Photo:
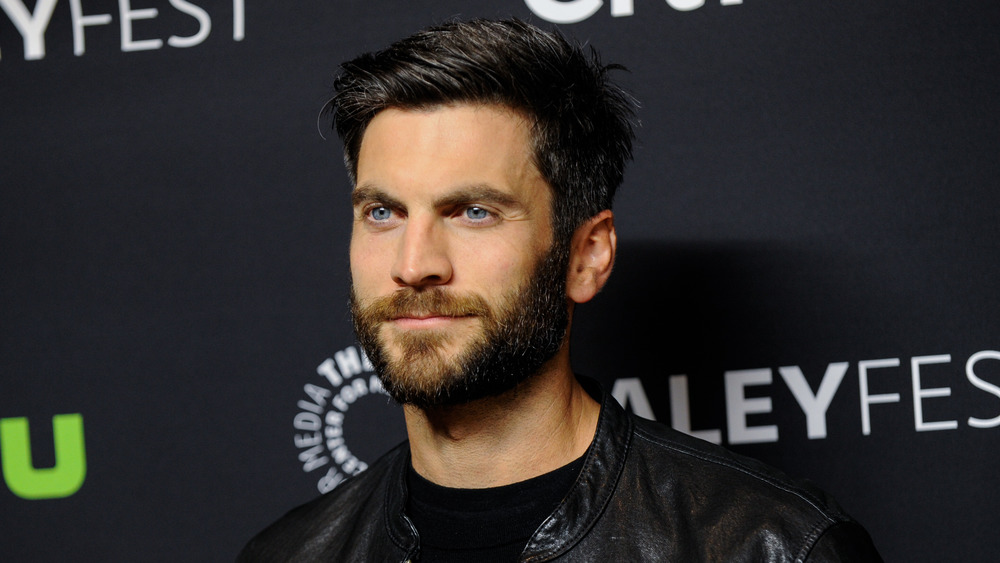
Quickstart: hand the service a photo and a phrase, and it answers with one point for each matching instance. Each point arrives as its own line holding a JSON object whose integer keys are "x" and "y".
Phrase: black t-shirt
{"x": 483, "y": 525}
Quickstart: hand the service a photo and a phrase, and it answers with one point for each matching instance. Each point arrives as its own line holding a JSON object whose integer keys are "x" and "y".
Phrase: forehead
{"x": 449, "y": 145}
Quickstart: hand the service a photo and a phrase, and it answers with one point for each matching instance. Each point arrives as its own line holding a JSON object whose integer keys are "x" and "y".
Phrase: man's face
{"x": 456, "y": 292}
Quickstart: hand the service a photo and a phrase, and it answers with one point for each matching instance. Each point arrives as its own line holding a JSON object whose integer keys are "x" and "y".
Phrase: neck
{"x": 544, "y": 423}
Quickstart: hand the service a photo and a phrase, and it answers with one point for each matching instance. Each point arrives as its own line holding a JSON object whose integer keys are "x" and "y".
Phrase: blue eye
{"x": 380, "y": 213}
{"x": 477, "y": 213}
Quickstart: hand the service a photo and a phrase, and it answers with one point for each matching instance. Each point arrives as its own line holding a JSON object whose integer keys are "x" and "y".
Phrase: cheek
{"x": 364, "y": 265}
{"x": 499, "y": 272}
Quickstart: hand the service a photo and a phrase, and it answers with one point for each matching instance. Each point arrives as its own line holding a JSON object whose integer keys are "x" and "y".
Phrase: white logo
{"x": 33, "y": 24}
{"x": 351, "y": 396}
{"x": 558, "y": 11}
{"x": 739, "y": 407}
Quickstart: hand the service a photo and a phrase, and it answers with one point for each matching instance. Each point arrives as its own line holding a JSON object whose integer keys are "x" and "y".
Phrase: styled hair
{"x": 581, "y": 122}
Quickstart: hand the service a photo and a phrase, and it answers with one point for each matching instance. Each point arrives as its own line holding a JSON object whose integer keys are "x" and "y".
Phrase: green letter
{"x": 62, "y": 480}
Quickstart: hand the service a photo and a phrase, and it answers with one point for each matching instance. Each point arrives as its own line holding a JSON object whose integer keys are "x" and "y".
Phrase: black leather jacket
{"x": 645, "y": 493}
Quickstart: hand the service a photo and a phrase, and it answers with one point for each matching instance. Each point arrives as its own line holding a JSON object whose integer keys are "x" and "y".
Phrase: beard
{"x": 518, "y": 334}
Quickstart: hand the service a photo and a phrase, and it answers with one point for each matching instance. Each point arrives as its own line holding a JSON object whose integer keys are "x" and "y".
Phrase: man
{"x": 484, "y": 157}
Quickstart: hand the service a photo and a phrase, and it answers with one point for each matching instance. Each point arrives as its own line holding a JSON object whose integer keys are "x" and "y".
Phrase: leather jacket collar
{"x": 579, "y": 510}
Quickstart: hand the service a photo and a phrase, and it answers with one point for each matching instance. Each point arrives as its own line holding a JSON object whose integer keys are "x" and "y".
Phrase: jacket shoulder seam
{"x": 812, "y": 538}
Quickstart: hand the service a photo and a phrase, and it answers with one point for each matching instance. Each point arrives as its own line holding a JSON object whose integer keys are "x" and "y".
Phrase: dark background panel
{"x": 813, "y": 183}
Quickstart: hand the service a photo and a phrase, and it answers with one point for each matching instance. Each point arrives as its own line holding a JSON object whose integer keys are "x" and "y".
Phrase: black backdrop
{"x": 814, "y": 188}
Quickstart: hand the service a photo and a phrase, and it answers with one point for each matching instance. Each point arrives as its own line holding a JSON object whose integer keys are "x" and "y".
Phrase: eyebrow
{"x": 478, "y": 193}
{"x": 368, "y": 192}
{"x": 484, "y": 193}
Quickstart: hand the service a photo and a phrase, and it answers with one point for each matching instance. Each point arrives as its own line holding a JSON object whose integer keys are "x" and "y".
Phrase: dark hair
{"x": 581, "y": 122}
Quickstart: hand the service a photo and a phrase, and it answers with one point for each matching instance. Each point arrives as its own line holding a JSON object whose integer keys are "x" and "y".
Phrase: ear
{"x": 592, "y": 255}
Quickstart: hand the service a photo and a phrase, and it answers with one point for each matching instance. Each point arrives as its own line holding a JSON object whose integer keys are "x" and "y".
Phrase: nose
{"x": 422, "y": 257}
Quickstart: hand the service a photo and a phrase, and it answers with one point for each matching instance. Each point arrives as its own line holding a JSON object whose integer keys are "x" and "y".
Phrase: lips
{"x": 426, "y": 321}
{"x": 433, "y": 315}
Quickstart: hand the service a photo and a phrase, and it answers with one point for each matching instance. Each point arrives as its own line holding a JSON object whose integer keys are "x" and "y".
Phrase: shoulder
{"x": 714, "y": 466}
{"x": 711, "y": 484}
{"x": 331, "y": 521}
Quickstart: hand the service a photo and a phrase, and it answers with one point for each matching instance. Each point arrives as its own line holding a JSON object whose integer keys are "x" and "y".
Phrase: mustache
{"x": 408, "y": 302}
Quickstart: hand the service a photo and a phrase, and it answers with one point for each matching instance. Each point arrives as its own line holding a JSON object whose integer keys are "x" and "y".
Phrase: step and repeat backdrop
{"x": 809, "y": 265}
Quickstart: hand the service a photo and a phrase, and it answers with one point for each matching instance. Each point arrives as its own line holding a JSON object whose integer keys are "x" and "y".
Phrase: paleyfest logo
{"x": 86, "y": 18}
{"x": 561, "y": 11}
{"x": 346, "y": 420}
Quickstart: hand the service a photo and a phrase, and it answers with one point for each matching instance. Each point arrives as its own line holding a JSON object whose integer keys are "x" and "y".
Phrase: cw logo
{"x": 20, "y": 474}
